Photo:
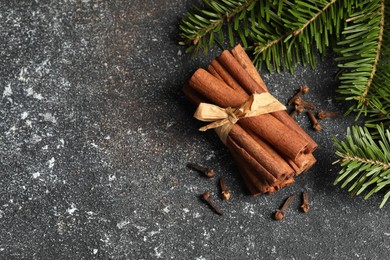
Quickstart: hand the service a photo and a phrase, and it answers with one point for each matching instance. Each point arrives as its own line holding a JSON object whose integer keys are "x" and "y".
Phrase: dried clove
{"x": 225, "y": 192}
{"x": 207, "y": 198}
{"x": 301, "y": 102}
{"x": 322, "y": 115}
{"x": 316, "y": 126}
{"x": 302, "y": 91}
{"x": 298, "y": 110}
{"x": 305, "y": 202}
{"x": 279, "y": 213}
{"x": 208, "y": 172}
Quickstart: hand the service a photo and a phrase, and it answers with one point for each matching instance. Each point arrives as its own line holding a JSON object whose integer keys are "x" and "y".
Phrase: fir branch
{"x": 200, "y": 25}
{"x": 303, "y": 23}
{"x": 365, "y": 162}
{"x": 379, "y": 94}
{"x": 313, "y": 18}
{"x": 360, "y": 56}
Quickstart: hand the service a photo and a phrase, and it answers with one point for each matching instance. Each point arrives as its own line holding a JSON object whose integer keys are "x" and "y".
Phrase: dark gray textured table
{"x": 95, "y": 136}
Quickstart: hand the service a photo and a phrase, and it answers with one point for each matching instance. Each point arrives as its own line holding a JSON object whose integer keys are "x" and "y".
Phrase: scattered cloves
{"x": 302, "y": 91}
{"x": 225, "y": 192}
{"x": 322, "y": 115}
{"x": 305, "y": 202}
{"x": 208, "y": 172}
{"x": 279, "y": 213}
{"x": 316, "y": 126}
{"x": 301, "y": 102}
{"x": 207, "y": 198}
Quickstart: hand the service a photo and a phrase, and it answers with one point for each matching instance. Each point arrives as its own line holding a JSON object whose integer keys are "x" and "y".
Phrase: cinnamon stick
{"x": 278, "y": 160}
{"x": 247, "y": 65}
{"x": 251, "y": 86}
{"x": 225, "y": 76}
{"x": 238, "y": 72}
{"x": 269, "y": 149}
{"x": 305, "y": 162}
{"x": 260, "y": 154}
{"x": 271, "y": 129}
{"x": 213, "y": 72}
{"x": 252, "y": 175}
{"x": 282, "y": 116}
{"x": 251, "y": 171}
{"x": 215, "y": 90}
{"x": 193, "y": 96}
{"x": 240, "y": 55}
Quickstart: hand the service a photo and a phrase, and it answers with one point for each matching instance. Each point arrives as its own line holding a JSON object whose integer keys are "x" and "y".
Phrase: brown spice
{"x": 302, "y": 91}
{"x": 208, "y": 172}
{"x": 316, "y": 126}
{"x": 225, "y": 192}
{"x": 279, "y": 214}
{"x": 207, "y": 198}
{"x": 301, "y": 102}
{"x": 305, "y": 202}
{"x": 322, "y": 115}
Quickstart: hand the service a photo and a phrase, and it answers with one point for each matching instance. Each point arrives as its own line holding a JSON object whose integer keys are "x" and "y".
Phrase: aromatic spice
{"x": 302, "y": 91}
{"x": 305, "y": 202}
{"x": 301, "y": 102}
{"x": 208, "y": 172}
{"x": 207, "y": 198}
{"x": 225, "y": 192}
{"x": 316, "y": 126}
{"x": 279, "y": 213}
{"x": 323, "y": 115}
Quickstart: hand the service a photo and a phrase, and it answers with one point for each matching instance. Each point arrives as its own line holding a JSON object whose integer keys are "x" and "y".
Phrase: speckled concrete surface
{"x": 95, "y": 136}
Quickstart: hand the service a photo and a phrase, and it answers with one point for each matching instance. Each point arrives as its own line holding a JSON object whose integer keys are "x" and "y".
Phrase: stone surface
{"x": 96, "y": 134}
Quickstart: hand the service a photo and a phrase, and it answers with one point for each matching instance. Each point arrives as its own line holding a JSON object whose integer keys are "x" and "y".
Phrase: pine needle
{"x": 365, "y": 162}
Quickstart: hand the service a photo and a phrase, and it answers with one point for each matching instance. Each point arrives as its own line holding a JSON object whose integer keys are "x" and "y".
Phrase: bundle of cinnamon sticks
{"x": 269, "y": 149}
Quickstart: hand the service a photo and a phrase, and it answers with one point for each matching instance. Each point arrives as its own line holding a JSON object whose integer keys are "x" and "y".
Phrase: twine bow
{"x": 223, "y": 119}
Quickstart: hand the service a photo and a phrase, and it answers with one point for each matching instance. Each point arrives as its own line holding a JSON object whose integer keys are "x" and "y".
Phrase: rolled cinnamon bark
{"x": 254, "y": 84}
{"x": 225, "y": 76}
{"x": 282, "y": 116}
{"x": 242, "y": 58}
{"x": 237, "y": 71}
{"x": 279, "y": 161}
{"x": 214, "y": 72}
{"x": 193, "y": 96}
{"x": 257, "y": 178}
{"x": 260, "y": 154}
{"x": 268, "y": 149}
{"x": 253, "y": 175}
{"x": 240, "y": 55}
{"x": 285, "y": 140}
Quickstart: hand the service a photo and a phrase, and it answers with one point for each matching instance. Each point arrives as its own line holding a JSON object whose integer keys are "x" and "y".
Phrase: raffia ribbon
{"x": 223, "y": 119}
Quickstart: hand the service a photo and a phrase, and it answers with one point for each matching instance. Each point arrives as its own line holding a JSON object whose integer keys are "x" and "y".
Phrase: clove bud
{"x": 305, "y": 202}
{"x": 208, "y": 172}
{"x": 207, "y": 198}
{"x": 279, "y": 213}
{"x": 225, "y": 192}
{"x": 302, "y": 91}
{"x": 322, "y": 115}
{"x": 316, "y": 126}
{"x": 301, "y": 102}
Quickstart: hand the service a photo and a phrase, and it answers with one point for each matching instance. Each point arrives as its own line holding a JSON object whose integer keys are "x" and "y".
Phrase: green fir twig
{"x": 365, "y": 162}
